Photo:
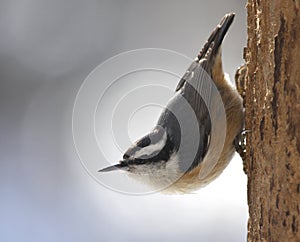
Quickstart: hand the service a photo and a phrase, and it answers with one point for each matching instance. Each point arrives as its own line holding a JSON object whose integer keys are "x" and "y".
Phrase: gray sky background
{"x": 47, "y": 49}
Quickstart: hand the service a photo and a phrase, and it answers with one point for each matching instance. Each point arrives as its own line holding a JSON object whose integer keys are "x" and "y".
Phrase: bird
{"x": 194, "y": 138}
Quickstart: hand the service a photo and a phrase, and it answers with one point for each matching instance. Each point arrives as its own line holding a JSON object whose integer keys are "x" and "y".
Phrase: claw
{"x": 240, "y": 143}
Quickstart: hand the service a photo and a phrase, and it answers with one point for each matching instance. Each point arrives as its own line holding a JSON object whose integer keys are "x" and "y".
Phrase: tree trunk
{"x": 272, "y": 104}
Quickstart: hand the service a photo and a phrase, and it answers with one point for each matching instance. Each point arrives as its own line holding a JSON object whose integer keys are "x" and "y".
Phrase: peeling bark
{"x": 272, "y": 104}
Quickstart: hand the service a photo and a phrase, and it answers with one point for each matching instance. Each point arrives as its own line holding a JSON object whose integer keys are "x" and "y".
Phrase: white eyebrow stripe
{"x": 150, "y": 149}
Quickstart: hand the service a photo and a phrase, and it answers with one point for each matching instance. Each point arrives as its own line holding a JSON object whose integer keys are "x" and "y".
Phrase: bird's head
{"x": 147, "y": 154}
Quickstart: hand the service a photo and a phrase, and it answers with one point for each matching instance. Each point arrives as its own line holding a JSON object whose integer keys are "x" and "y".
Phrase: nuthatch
{"x": 173, "y": 153}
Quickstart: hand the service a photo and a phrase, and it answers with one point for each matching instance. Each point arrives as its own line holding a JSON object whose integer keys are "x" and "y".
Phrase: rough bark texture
{"x": 273, "y": 117}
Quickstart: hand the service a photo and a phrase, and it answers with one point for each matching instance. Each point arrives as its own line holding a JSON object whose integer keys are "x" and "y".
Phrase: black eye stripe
{"x": 163, "y": 155}
{"x": 125, "y": 156}
{"x": 155, "y": 141}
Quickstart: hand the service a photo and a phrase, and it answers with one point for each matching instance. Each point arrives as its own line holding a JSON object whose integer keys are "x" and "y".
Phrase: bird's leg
{"x": 240, "y": 143}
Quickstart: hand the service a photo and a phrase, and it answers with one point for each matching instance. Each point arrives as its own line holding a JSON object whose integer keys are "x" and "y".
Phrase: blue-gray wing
{"x": 187, "y": 118}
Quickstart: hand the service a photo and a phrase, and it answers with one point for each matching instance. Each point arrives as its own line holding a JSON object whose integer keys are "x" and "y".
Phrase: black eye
{"x": 125, "y": 156}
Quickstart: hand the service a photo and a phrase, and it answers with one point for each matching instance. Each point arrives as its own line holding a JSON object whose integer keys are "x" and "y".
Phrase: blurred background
{"x": 47, "y": 49}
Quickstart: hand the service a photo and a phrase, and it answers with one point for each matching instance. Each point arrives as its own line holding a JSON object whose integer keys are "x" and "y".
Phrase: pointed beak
{"x": 215, "y": 40}
{"x": 122, "y": 166}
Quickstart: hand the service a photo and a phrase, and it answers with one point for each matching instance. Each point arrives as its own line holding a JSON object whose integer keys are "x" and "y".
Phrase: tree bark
{"x": 272, "y": 106}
